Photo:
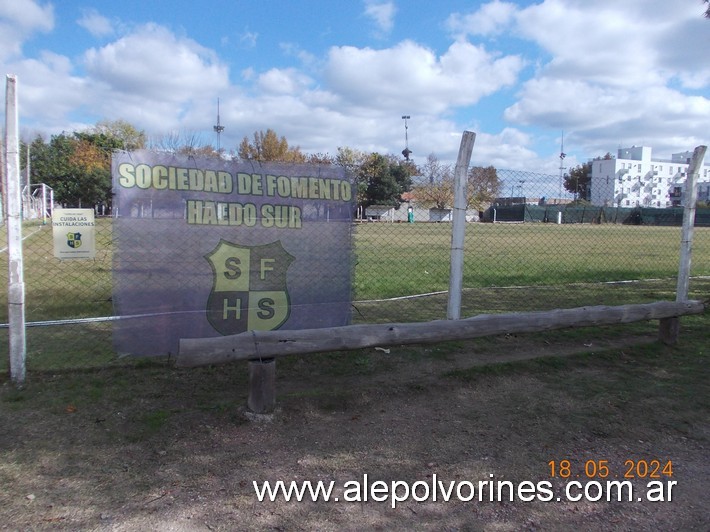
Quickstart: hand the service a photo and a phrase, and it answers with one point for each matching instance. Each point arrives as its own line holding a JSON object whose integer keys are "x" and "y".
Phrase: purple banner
{"x": 206, "y": 247}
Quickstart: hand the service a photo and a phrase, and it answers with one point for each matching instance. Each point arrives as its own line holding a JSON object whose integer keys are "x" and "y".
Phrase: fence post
{"x": 669, "y": 328}
{"x": 16, "y": 284}
{"x": 459, "y": 225}
{"x": 262, "y": 386}
{"x": 686, "y": 243}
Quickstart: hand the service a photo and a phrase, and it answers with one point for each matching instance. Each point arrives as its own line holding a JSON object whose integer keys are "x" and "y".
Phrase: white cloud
{"x": 283, "y": 81}
{"x": 490, "y": 19}
{"x": 306, "y": 58}
{"x": 247, "y": 39}
{"x": 382, "y": 13}
{"x": 154, "y": 64}
{"x": 610, "y": 69}
{"x": 28, "y": 14}
{"x": 95, "y": 23}
{"x": 49, "y": 92}
{"x": 19, "y": 19}
{"x": 409, "y": 76}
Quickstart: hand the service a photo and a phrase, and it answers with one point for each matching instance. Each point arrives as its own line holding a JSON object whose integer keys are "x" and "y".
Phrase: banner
{"x": 206, "y": 247}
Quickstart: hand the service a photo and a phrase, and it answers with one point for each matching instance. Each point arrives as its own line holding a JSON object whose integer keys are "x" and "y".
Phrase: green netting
{"x": 591, "y": 214}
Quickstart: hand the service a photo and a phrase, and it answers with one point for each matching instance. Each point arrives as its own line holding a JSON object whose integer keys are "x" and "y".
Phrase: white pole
{"x": 458, "y": 231}
{"x": 3, "y": 186}
{"x": 686, "y": 241}
{"x": 16, "y": 284}
{"x": 44, "y": 204}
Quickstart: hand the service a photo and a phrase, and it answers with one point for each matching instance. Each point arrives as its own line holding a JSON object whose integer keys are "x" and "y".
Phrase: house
{"x": 635, "y": 179}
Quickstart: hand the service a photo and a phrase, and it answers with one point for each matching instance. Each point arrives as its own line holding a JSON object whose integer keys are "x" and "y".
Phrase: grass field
{"x": 507, "y": 267}
{"x": 402, "y": 259}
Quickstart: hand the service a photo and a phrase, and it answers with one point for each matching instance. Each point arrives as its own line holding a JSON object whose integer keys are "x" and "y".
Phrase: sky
{"x": 524, "y": 75}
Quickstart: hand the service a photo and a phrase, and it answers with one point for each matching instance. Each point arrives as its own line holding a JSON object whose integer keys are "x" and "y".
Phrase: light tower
{"x": 406, "y": 151}
{"x": 218, "y": 129}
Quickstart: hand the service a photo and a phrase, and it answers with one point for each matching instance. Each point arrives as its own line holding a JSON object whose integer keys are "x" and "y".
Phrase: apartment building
{"x": 635, "y": 179}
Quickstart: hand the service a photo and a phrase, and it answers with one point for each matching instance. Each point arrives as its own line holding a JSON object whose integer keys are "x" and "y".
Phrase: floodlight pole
{"x": 218, "y": 128}
{"x": 406, "y": 151}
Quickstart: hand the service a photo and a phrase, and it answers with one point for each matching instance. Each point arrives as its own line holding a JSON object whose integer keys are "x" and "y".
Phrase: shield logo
{"x": 249, "y": 289}
{"x": 74, "y": 240}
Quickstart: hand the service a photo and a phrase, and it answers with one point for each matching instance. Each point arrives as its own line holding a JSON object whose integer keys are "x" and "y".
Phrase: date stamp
{"x": 602, "y": 469}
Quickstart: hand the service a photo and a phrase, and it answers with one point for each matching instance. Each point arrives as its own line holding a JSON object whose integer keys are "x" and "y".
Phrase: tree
{"x": 384, "y": 180}
{"x": 578, "y": 180}
{"x": 436, "y": 189}
{"x": 351, "y": 160}
{"x": 78, "y": 166}
{"x": 269, "y": 147}
{"x": 188, "y": 143}
{"x": 319, "y": 158}
{"x": 707, "y": 11}
{"x": 125, "y": 135}
{"x": 483, "y": 186}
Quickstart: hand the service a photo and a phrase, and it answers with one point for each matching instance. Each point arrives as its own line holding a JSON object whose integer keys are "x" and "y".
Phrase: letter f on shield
{"x": 249, "y": 289}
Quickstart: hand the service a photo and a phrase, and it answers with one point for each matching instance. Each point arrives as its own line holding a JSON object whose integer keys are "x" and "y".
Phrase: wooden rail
{"x": 256, "y": 345}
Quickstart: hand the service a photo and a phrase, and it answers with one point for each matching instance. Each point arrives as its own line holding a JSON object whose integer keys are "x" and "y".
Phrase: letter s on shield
{"x": 249, "y": 289}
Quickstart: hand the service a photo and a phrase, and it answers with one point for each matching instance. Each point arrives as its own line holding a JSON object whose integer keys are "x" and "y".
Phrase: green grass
{"x": 402, "y": 259}
{"x": 507, "y": 267}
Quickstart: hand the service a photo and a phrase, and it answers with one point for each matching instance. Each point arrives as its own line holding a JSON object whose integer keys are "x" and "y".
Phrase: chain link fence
{"x": 534, "y": 249}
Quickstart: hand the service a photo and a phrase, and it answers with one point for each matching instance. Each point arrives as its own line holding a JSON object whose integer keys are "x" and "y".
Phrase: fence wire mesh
{"x": 544, "y": 251}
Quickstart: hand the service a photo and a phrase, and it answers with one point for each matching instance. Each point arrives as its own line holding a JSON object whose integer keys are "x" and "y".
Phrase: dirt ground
{"x": 155, "y": 448}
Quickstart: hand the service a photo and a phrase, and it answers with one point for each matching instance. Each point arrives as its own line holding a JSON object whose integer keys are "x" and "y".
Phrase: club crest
{"x": 249, "y": 289}
{"x": 74, "y": 240}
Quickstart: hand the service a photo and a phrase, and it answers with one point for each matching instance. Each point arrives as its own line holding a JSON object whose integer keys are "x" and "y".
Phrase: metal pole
{"x": 686, "y": 242}
{"x": 44, "y": 204}
{"x": 459, "y": 225}
{"x": 16, "y": 284}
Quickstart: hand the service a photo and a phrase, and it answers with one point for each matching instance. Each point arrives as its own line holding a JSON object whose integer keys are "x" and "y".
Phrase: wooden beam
{"x": 265, "y": 344}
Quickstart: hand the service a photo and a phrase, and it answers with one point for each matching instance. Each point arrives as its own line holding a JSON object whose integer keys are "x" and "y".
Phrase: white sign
{"x": 73, "y": 233}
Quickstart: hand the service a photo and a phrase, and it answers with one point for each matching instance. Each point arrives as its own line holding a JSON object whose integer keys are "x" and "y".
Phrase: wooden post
{"x": 691, "y": 197}
{"x": 262, "y": 386}
{"x": 459, "y": 225}
{"x": 669, "y": 330}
